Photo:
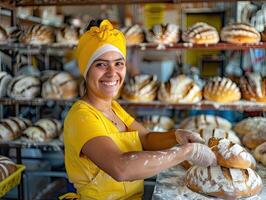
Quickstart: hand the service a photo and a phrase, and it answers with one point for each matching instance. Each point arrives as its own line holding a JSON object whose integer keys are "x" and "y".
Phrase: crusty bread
{"x": 38, "y": 34}
{"x": 240, "y": 33}
{"x": 62, "y": 85}
{"x": 133, "y": 34}
{"x": 223, "y": 182}
{"x": 3, "y": 35}
{"x": 199, "y": 121}
{"x": 221, "y": 90}
{"x": 7, "y": 167}
{"x": 260, "y": 153}
{"x": 163, "y": 34}
{"x": 141, "y": 88}
{"x": 5, "y": 79}
{"x": 67, "y": 35}
{"x": 251, "y": 125}
{"x": 14, "y": 33}
{"x": 201, "y": 33}
{"x": 253, "y": 87}
{"x": 229, "y": 154}
{"x": 180, "y": 89}
{"x": 157, "y": 123}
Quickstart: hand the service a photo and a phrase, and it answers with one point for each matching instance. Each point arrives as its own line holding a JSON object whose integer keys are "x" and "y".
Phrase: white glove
{"x": 202, "y": 155}
{"x": 184, "y": 137}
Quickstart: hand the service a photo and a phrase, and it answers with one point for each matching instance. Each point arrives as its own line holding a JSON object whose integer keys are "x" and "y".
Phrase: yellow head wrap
{"x": 96, "y": 41}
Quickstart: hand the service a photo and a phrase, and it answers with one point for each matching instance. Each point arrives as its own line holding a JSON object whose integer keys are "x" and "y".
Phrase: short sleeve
{"x": 81, "y": 126}
{"x": 127, "y": 118}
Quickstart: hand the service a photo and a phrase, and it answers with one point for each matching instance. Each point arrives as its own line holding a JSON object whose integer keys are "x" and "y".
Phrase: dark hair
{"x": 94, "y": 23}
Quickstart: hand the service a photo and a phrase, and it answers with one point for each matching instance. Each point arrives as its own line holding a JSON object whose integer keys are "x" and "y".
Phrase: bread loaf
{"x": 201, "y": 33}
{"x": 199, "y": 121}
{"x": 61, "y": 85}
{"x": 7, "y": 167}
{"x": 141, "y": 88}
{"x": 253, "y": 87}
{"x": 229, "y": 154}
{"x": 251, "y": 125}
{"x": 14, "y": 33}
{"x": 133, "y": 34}
{"x": 3, "y": 35}
{"x": 5, "y": 79}
{"x": 38, "y": 34}
{"x": 157, "y": 123}
{"x": 180, "y": 89}
{"x": 223, "y": 182}
{"x": 67, "y": 35}
{"x": 221, "y": 90}
{"x": 240, "y": 33}
{"x": 43, "y": 130}
{"x": 24, "y": 87}
{"x": 260, "y": 153}
{"x": 163, "y": 34}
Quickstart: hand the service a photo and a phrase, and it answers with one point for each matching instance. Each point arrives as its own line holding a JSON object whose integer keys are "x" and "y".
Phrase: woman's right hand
{"x": 201, "y": 155}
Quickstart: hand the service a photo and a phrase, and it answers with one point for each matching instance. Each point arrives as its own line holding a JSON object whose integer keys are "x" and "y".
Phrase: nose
{"x": 111, "y": 70}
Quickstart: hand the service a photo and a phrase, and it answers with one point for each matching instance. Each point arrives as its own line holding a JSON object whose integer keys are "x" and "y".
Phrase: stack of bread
{"x": 157, "y": 123}
{"x": 180, "y": 89}
{"x": 61, "y": 85}
{"x": 221, "y": 90}
{"x": 133, "y": 34}
{"x": 67, "y": 35}
{"x": 3, "y": 35}
{"x": 163, "y": 34}
{"x": 38, "y": 34}
{"x": 240, "y": 33}
{"x": 253, "y": 87}
{"x": 140, "y": 88}
{"x": 232, "y": 178}
{"x": 201, "y": 33}
{"x": 12, "y": 128}
{"x": 7, "y": 167}
{"x": 43, "y": 130}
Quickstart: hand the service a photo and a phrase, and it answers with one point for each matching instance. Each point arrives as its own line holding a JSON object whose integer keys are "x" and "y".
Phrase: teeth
{"x": 110, "y": 83}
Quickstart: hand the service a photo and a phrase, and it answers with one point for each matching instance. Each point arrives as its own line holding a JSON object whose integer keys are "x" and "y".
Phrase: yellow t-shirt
{"x": 82, "y": 123}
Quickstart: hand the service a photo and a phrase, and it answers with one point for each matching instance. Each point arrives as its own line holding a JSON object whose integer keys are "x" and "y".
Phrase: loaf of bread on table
{"x": 221, "y": 90}
{"x": 140, "y": 88}
{"x": 231, "y": 155}
{"x": 7, "y": 167}
{"x": 201, "y": 33}
{"x": 163, "y": 34}
{"x": 226, "y": 183}
{"x": 67, "y": 35}
{"x": 240, "y": 33}
{"x": 180, "y": 89}
{"x": 260, "y": 153}
{"x": 199, "y": 121}
{"x": 133, "y": 34}
{"x": 157, "y": 123}
{"x": 24, "y": 87}
{"x": 253, "y": 87}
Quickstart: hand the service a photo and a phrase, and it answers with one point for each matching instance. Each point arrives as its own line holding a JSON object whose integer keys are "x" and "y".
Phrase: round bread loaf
{"x": 7, "y": 167}
{"x": 251, "y": 125}
{"x": 24, "y": 87}
{"x": 133, "y": 34}
{"x": 230, "y": 155}
{"x": 260, "y": 153}
{"x": 201, "y": 33}
{"x": 157, "y": 123}
{"x": 14, "y": 33}
{"x": 223, "y": 182}
{"x": 199, "y": 121}
{"x": 221, "y": 90}
{"x": 38, "y": 34}
{"x": 253, "y": 87}
{"x": 62, "y": 85}
{"x": 141, "y": 88}
{"x": 180, "y": 89}
{"x": 3, "y": 35}
{"x": 240, "y": 33}
{"x": 67, "y": 35}
{"x": 163, "y": 34}
{"x": 5, "y": 79}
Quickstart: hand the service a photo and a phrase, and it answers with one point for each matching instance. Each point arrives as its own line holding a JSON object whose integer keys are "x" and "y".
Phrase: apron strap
{"x": 70, "y": 196}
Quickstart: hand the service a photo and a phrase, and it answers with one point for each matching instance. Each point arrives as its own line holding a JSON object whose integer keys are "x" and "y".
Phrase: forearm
{"x": 141, "y": 165}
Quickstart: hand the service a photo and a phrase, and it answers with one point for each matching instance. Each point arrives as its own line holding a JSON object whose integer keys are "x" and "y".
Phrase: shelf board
{"x": 202, "y": 105}
{"x": 96, "y": 2}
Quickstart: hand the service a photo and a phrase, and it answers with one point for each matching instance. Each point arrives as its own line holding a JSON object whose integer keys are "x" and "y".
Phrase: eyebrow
{"x": 104, "y": 60}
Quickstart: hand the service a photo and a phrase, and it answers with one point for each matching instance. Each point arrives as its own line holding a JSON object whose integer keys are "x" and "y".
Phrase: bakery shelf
{"x": 36, "y": 101}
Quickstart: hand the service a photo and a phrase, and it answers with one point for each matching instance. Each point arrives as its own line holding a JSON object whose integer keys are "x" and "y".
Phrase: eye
{"x": 120, "y": 64}
{"x": 101, "y": 64}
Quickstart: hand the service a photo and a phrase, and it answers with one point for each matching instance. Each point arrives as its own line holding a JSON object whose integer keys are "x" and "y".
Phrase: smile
{"x": 110, "y": 83}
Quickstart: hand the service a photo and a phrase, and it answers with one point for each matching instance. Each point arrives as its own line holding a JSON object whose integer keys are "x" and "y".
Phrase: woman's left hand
{"x": 185, "y": 136}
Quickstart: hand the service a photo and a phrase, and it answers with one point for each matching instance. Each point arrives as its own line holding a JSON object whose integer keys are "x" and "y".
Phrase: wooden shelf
{"x": 202, "y": 105}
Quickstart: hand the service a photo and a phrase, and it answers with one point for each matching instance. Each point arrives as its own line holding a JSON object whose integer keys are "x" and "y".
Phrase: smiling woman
{"x": 107, "y": 152}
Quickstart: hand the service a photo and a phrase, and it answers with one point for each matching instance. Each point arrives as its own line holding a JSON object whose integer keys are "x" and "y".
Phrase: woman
{"x": 107, "y": 152}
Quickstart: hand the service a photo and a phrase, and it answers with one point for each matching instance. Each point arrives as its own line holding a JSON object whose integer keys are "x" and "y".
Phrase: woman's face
{"x": 106, "y": 75}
